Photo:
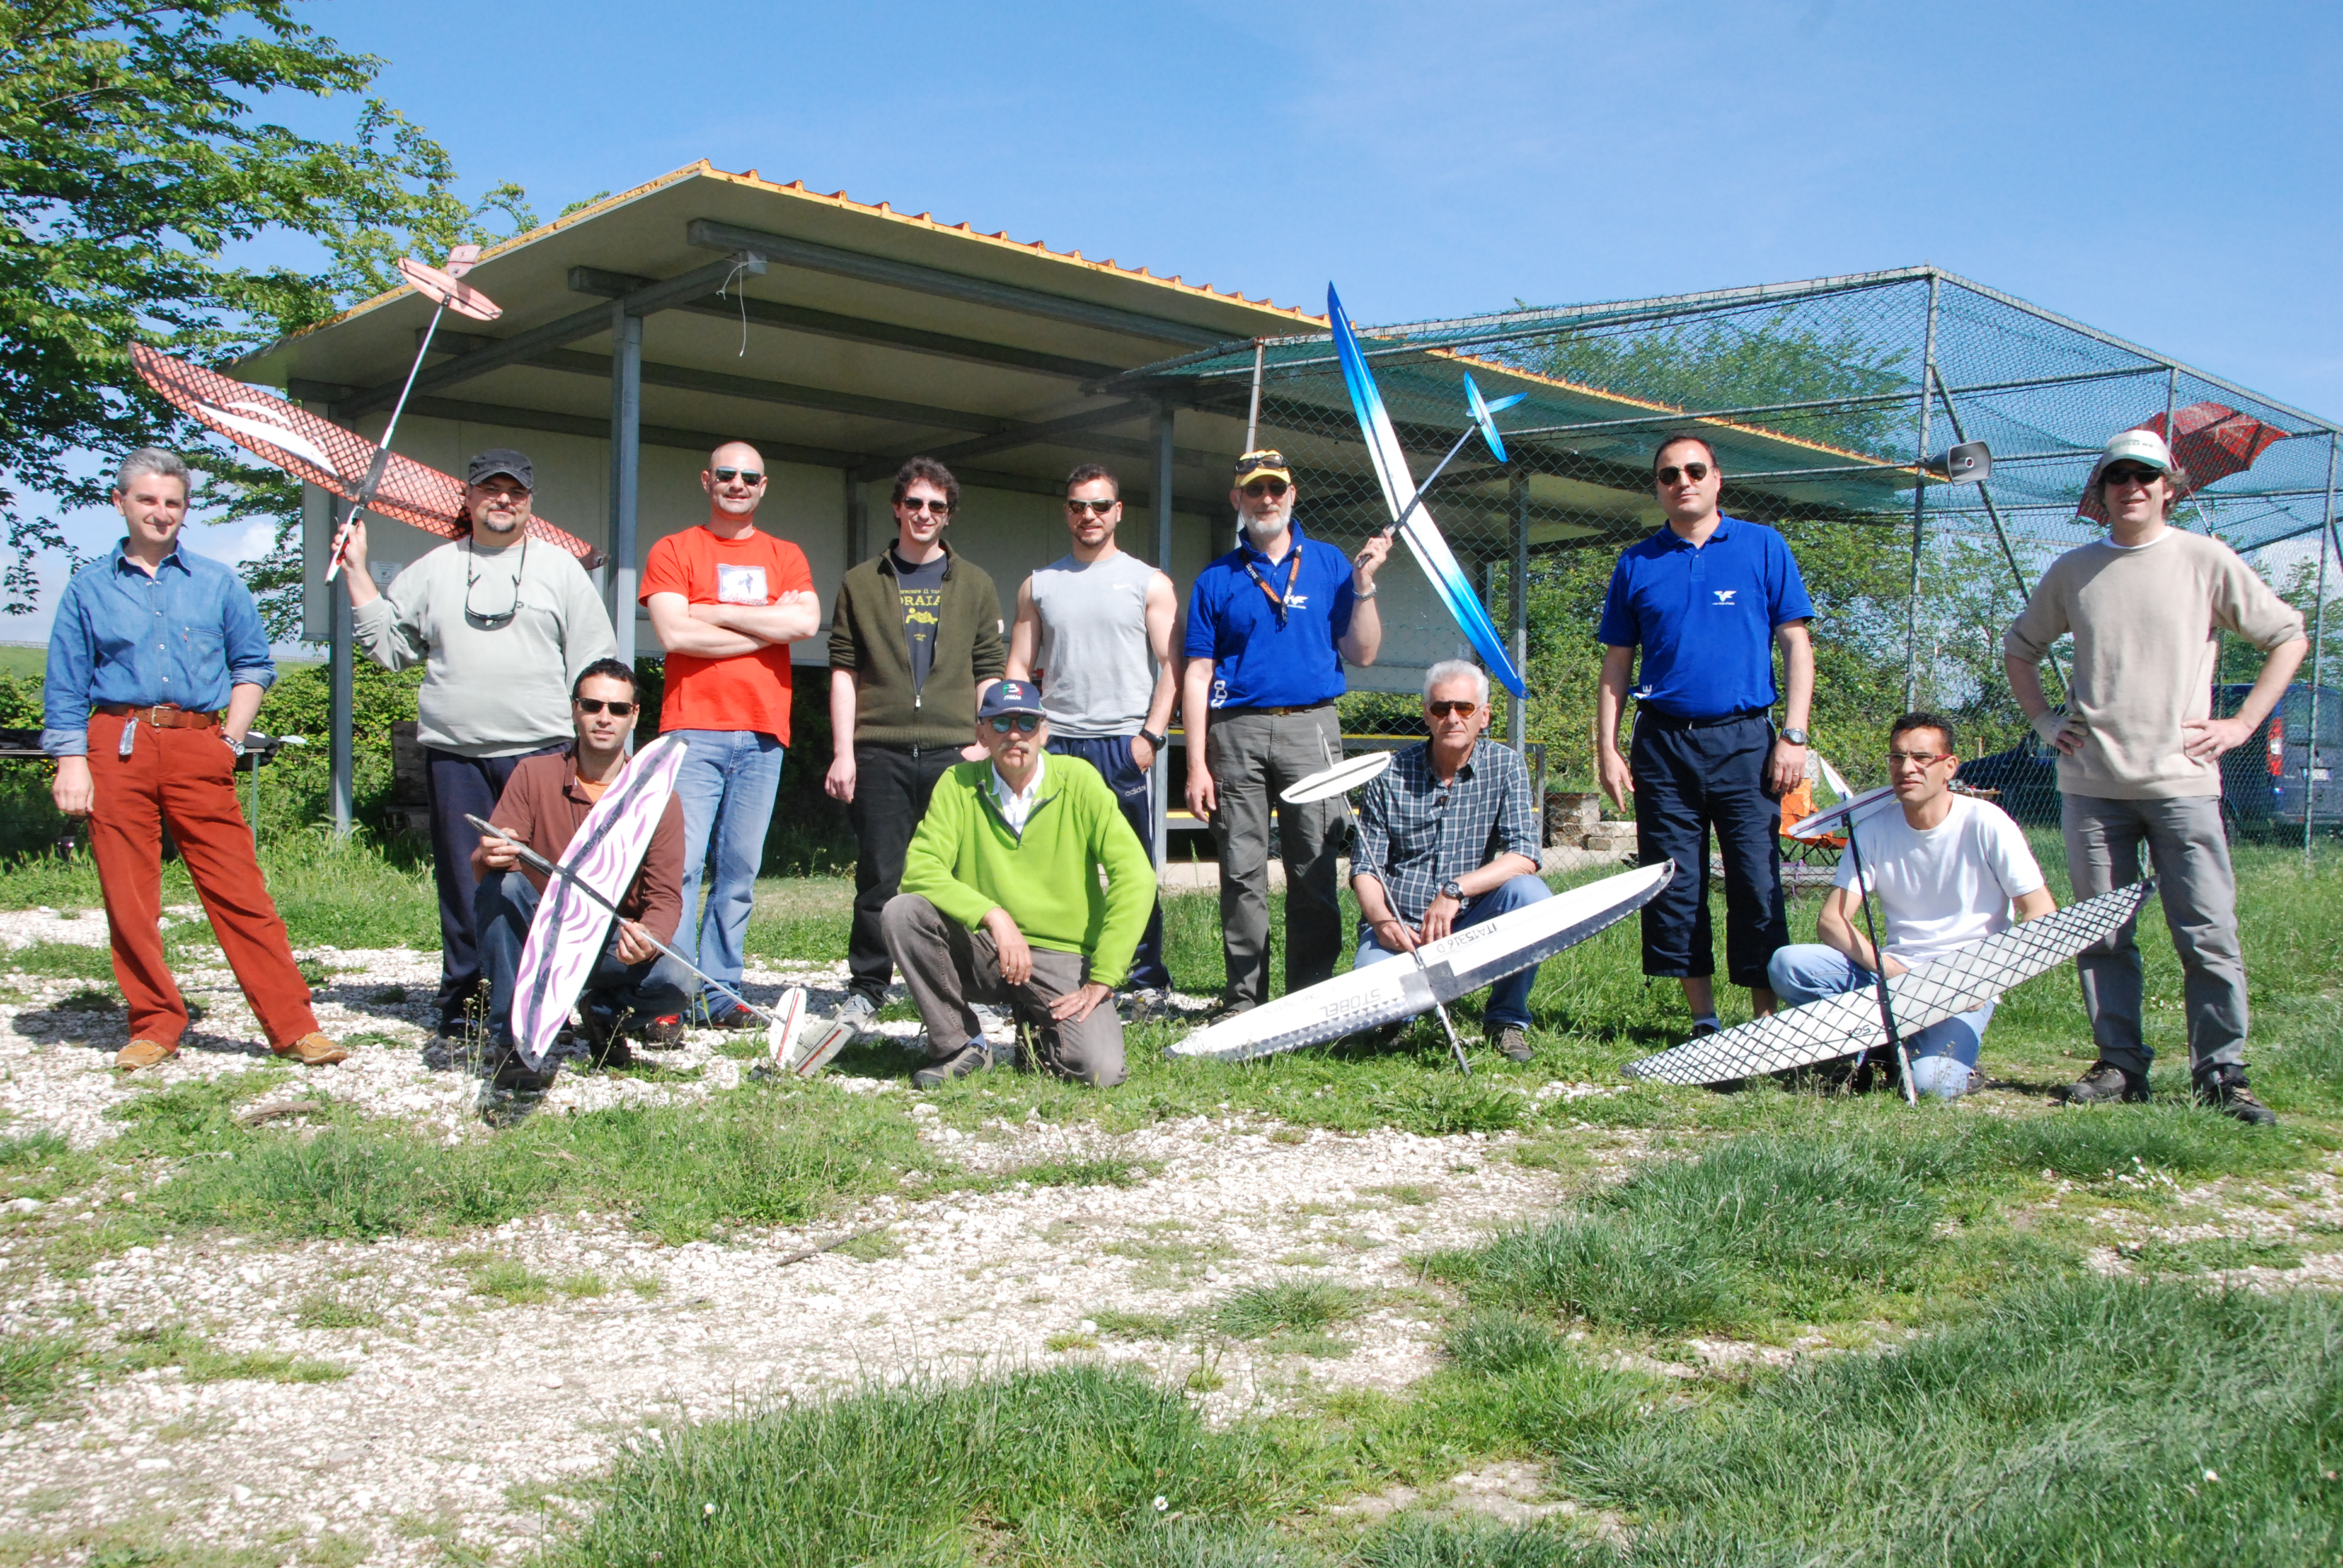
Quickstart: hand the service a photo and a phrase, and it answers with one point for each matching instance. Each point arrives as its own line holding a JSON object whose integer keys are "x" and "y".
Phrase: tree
{"x": 132, "y": 162}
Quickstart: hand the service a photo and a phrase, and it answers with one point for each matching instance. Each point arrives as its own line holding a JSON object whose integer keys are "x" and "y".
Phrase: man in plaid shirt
{"x": 1447, "y": 838}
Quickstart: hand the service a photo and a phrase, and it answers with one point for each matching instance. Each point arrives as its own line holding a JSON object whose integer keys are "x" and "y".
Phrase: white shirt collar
{"x": 1015, "y": 808}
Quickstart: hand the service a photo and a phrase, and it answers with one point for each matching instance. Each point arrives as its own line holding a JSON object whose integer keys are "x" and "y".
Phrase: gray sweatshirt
{"x": 491, "y": 687}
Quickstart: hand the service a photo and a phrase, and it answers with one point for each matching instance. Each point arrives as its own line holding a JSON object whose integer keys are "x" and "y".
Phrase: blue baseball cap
{"x": 1009, "y": 696}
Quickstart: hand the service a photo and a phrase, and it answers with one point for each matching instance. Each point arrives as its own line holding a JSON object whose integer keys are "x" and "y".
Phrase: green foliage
{"x": 199, "y": 1360}
{"x": 295, "y": 787}
{"x": 36, "y": 1368}
{"x": 1286, "y": 1306}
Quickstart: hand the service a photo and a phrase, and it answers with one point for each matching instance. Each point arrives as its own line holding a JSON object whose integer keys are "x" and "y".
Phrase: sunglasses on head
{"x": 746, "y": 476}
{"x": 2129, "y": 473}
{"x": 1461, "y": 709}
{"x": 924, "y": 503}
{"x": 1259, "y": 488}
{"x": 1024, "y": 723}
{"x": 1695, "y": 472}
{"x": 596, "y": 705}
{"x": 1095, "y": 508}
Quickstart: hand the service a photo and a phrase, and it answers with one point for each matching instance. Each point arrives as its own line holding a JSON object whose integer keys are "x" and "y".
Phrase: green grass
{"x": 1286, "y": 1306}
{"x": 199, "y": 1360}
{"x": 34, "y": 1369}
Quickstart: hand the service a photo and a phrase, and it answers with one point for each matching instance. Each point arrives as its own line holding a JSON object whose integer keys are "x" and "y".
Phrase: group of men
{"x": 996, "y": 770}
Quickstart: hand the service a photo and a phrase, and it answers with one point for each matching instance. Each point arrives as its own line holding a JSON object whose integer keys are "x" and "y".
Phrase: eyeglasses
{"x": 492, "y": 621}
{"x": 596, "y": 705}
{"x": 1024, "y": 723}
{"x": 1916, "y": 758}
{"x": 924, "y": 503}
{"x": 1095, "y": 508}
{"x": 746, "y": 476}
{"x": 1461, "y": 709}
{"x": 1695, "y": 472}
{"x": 1259, "y": 488}
{"x": 2129, "y": 473}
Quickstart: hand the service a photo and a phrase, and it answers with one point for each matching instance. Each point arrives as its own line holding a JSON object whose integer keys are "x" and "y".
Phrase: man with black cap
{"x": 503, "y": 631}
{"x": 1269, "y": 625}
{"x": 1000, "y": 901}
{"x": 2140, "y": 754}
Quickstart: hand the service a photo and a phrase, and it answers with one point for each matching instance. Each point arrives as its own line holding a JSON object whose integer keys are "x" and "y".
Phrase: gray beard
{"x": 1260, "y": 532}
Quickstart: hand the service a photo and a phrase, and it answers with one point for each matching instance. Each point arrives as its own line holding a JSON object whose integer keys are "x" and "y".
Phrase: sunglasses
{"x": 1695, "y": 472}
{"x": 1095, "y": 508}
{"x": 1916, "y": 758}
{"x": 1461, "y": 709}
{"x": 2129, "y": 473}
{"x": 746, "y": 476}
{"x": 922, "y": 503}
{"x": 596, "y": 705}
{"x": 1260, "y": 488}
{"x": 1024, "y": 723}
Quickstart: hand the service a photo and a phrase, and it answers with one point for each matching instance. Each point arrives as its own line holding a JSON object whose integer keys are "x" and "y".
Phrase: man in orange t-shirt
{"x": 726, "y": 602}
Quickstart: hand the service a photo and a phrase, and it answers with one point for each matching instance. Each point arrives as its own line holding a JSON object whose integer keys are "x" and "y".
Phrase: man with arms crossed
{"x": 1707, "y": 600}
{"x": 502, "y": 630}
{"x": 543, "y": 804}
{"x": 149, "y": 643}
{"x": 1945, "y": 870}
{"x": 2139, "y": 756}
{"x": 1001, "y": 902}
{"x": 1448, "y": 837}
{"x": 1269, "y": 626}
{"x": 1089, "y": 625}
{"x": 726, "y": 600}
{"x": 914, "y": 641}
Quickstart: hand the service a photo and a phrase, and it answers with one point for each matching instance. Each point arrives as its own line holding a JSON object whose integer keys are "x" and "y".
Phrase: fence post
{"x": 1919, "y": 508}
{"x": 2318, "y": 647}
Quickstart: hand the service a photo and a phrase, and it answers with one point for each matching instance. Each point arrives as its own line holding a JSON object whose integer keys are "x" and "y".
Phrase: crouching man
{"x": 1448, "y": 837}
{"x": 1000, "y": 901}
{"x": 542, "y": 805}
{"x": 1946, "y": 870}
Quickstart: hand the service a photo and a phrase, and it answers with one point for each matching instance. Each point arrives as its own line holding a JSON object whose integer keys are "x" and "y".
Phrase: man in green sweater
{"x": 1002, "y": 901}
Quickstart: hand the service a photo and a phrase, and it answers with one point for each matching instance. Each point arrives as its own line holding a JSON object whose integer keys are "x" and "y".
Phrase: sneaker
{"x": 1224, "y": 1011}
{"x": 664, "y": 1032}
{"x": 856, "y": 1011}
{"x": 1511, "y": 1042}
{"x": 1141, "y": 1003}
{"x": 2224, "y": 1089}
{"x": 141, "y": 1053}
{"x": 973, "y": 1058}
{"x": 313, "y": 1049}
{"x": 2107, "y": 1084}
{"x": 1702, "y": 1028}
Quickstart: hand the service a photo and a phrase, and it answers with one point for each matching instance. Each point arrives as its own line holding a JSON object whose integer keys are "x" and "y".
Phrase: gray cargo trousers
{"x": 1255, "y": 755}
{"x": 2199, "y": 891}
{"x": 946, "y": 967}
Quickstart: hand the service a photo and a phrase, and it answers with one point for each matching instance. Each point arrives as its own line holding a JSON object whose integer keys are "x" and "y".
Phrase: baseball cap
{"x": 1262, "y": 465}
{"x": 1009, "y": 696}
{"x": 501, "y": 460}
{"x": 2145, "y": 447}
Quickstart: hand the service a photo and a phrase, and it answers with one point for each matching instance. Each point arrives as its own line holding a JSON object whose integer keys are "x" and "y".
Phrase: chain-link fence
{"x": 1831, "y": 405}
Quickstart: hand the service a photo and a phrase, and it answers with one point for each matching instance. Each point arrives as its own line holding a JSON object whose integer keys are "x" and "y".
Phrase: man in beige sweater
{"x": 2140, "y": 754}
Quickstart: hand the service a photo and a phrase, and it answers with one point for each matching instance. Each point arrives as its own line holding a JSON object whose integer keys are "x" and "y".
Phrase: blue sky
{"x": 2152, "y": 168}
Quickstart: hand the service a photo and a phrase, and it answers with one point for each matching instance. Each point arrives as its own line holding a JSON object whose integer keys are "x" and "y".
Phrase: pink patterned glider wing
{"x": 570, "y": 929}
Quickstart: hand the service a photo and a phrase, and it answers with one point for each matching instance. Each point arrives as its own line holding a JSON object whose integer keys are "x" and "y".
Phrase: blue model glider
{"x": 1404, "y": 500}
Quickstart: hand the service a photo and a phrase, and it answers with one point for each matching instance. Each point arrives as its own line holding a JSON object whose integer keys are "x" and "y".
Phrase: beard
{"x": 1260, "y": 530}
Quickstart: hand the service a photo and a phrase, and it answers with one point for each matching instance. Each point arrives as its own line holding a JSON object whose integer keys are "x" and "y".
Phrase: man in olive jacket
{"x": 914, "y": 642}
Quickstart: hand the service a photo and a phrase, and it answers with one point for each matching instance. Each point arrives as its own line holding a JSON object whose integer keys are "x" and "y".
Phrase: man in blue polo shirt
{"x": 1269, "y": 626}
{"x": 1706, "y": 599}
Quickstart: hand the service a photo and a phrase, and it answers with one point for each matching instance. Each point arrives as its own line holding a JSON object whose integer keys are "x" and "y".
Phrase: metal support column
{"x": 858, "y": 519}
{"x": 2318, "y": 647}
{"x": 342, "y": 703}
{"x": 1517, "y": 718}
{"x": 626, "y": 470}
{"x": 1252, "y": 412}
{"x": 1919, "y": 508}
{"x": 1159, "y": 784}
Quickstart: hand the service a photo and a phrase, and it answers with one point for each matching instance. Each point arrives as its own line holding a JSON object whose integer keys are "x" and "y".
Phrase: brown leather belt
{"x": 162, "y": 716}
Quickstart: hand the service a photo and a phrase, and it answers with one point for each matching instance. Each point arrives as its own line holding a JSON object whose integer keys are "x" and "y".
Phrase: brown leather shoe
{"x": 141, "y": 1053}
{"x": 313, "y": 1050}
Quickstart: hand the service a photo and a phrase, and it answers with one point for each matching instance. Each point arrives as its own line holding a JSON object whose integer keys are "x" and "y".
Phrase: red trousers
{"x": 186, "y": 777}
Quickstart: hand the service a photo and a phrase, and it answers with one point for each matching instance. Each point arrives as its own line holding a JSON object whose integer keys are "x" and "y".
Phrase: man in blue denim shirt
{"x": 149, "y": 645}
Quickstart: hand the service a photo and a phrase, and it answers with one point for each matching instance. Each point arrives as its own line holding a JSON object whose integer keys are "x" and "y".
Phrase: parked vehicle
{"x": 2025, "y": 776}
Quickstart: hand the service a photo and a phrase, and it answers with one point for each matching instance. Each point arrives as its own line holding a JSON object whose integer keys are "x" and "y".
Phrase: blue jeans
{"x": 727, "y": 785}
{"x": 1509, "y": 999}
{"x": 1942, "y": 1053}
{"x": 505, "y": 906}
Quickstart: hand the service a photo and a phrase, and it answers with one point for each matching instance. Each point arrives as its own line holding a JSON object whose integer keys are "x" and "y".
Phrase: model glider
{"x": 1339, "y": 780}
{"x": 312, "y": 447}
{"x": 1452, "y": 967}
{"x": 1413, "y": 523}
{"x": 1959, "y": 982}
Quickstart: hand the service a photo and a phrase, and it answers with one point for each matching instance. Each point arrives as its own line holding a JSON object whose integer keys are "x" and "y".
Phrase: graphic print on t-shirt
{"x": 741, "y": 585}
{"x": 920, "y": 591}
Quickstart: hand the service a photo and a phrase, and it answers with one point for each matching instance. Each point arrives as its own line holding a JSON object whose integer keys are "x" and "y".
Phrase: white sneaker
{"x": 855, "y": 1011}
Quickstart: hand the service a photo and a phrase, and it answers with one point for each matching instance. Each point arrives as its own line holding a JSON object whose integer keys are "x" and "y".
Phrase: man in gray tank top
{"x": 1094, "y": 632}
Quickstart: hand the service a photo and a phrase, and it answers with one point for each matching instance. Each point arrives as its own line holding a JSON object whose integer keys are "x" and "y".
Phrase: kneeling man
{"x": 1448, "y": 837}
{"x": 542, "y": 805}
{"x": 1000, "y": 900}
{"x": 1947, "y": 870}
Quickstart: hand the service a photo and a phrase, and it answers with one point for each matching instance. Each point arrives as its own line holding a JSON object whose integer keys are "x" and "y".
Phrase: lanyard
{"x": 1292, "y": 572}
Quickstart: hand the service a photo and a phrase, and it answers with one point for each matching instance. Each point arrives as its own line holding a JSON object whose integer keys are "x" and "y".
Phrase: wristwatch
{"x": 1453, "y": 888}
{"x": 1154, "y": 743}
{"x": 1794, "y": 736}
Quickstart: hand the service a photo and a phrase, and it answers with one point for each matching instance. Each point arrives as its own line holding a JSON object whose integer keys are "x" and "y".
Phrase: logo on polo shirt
{"x": 1296, "y": 600}
{"x": 1724, "y": 595}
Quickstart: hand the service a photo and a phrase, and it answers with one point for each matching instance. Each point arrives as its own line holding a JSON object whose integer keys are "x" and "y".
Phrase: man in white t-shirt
{"x": 1947, "y": 870}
